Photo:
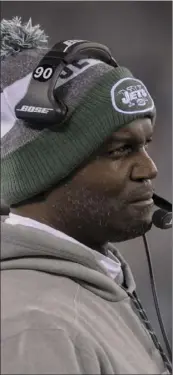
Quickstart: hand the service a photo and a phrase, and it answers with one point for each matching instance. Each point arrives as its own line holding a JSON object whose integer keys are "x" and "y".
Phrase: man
{"x": 68, "y": 297}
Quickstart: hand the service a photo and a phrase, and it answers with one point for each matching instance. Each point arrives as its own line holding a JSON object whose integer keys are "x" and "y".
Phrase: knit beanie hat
{"x": 100, "y": 98}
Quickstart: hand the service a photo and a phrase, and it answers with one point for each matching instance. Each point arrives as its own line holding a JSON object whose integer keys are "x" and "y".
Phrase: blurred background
{"x": 139, "y": 34}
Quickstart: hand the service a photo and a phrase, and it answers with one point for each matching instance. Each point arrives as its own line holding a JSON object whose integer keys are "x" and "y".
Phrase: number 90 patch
{"x": 43, "y": 73}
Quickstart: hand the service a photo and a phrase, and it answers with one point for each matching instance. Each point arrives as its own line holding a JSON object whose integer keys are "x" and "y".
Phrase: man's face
{"x": 109, "y": 199}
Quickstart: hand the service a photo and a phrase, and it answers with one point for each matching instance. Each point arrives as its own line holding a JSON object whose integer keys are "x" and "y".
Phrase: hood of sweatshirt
{"x": 29, "y": 248}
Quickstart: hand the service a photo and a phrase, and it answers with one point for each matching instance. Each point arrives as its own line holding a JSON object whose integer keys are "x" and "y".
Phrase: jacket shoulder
{"x": 31, "y": 298}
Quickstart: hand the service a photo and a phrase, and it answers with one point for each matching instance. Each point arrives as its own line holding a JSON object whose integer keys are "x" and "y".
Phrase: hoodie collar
{"x": 113, "y": 266}
{"x": 39, "y": 250}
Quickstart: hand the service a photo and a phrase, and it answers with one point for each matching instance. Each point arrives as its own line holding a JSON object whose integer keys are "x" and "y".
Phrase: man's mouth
{"x": 143, "y": 202}
{"x": 143, "y": 197}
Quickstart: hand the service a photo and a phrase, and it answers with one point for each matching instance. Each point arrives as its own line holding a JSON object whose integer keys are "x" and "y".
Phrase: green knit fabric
{"x": 57, "y": 151}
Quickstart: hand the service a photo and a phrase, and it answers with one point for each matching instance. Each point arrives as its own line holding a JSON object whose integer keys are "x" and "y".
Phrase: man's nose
{"x": 144, "y": 167}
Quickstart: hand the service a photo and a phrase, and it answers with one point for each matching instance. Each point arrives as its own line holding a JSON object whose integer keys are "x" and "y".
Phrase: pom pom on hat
{"x": 16, "y": 37}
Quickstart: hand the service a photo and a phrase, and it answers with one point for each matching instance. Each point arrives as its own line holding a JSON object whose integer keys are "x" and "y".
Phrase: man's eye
{"x": 126, "y": 149}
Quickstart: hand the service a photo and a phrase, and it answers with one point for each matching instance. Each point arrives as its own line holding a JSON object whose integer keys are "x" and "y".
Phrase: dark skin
{"x": 95, "y": 205}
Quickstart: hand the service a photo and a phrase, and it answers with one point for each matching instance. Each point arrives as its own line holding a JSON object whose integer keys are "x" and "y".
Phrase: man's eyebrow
{"x": 118, "y": 138}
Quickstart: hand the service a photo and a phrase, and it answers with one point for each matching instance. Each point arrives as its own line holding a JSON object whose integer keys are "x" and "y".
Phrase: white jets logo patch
{"x": 129, "y": 95}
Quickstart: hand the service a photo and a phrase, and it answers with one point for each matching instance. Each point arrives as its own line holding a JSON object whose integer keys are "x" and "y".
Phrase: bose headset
{"x": 42, "y": 107}
{"x": 42, "y": 93}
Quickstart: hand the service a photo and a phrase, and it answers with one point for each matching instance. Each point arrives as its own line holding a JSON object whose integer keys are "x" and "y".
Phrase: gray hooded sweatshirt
{"x": 62, "y": 313}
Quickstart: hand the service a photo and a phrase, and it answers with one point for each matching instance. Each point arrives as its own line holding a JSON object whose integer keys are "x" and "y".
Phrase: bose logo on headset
{"x": 29, "y": 108}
